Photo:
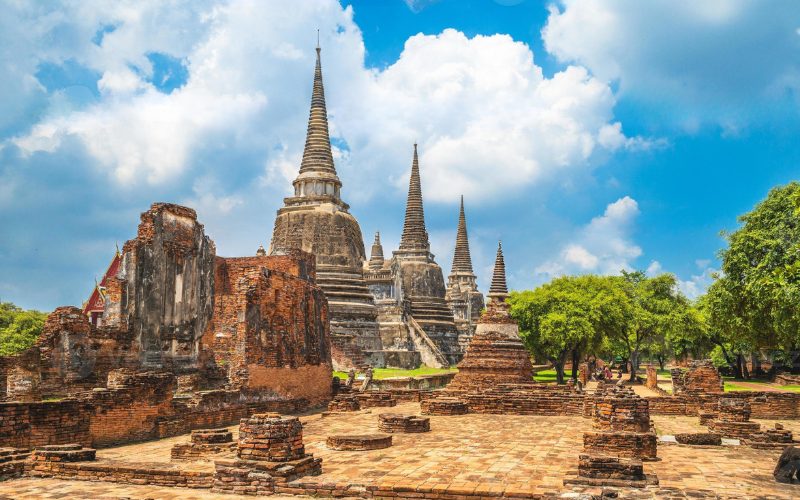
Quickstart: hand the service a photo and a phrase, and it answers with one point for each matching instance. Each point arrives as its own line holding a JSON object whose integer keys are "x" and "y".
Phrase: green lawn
{"x": 731, "y": 387}
{"x": 381, "y": 373}
{"x": 545, "y": 376}
{"x": 793, "y": 388}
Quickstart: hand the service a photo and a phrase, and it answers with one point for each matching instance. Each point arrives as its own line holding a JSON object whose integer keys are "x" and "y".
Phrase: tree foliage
{"x": 624, "y": 315}
{"x": 19, "y": 329}
{"x": 756, "y": 298}
{"x": 568, "y": 315}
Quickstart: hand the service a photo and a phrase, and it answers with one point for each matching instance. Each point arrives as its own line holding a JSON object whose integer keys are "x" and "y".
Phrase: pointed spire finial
{"x": 317, "y": 155}
{"x": 499, "y": 288}
{"x": 415, "y": 236}
{"x": 376, "y": 256}
{"x": 318, "y": 47}
{"x": 462, "y": 261}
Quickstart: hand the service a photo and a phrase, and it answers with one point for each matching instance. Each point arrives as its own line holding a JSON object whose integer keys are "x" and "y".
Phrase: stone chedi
{"x": 462, "y": 288}
{"x": 496, "y": 354}
{"x": 418, "y": 279}
{"x": 317, "y": 220}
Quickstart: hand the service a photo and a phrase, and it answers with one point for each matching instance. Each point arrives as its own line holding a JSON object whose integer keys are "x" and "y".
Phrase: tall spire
{"x": 498, "y": 288}
{"x": 317, "y": 156}
{"x": 376, "y": 256}
{"x": 415, "y": 237}
{"x": 462, "y": 262}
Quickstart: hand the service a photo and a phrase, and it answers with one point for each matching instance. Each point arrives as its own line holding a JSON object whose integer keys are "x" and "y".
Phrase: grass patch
{"x": 382, "y": 373}
{"x": 731, "y": 387}
{"x": 792, "y": 388}
{"x": 546, "y": 376}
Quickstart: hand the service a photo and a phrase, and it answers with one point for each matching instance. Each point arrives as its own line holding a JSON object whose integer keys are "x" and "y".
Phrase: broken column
{"x": 621, "y": 423}
{"x": 652, "y": 377}
{"x": 270, "y": 455}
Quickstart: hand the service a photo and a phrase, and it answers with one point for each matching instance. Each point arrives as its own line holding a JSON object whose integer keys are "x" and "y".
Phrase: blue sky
{"x": 589, "y": 136}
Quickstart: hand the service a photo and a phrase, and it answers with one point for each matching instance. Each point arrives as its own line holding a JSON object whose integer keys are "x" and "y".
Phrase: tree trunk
{"x": 575, "y": 360}
{"x": 661, "y": 361}
{"x": 634, "y": 362}
{"x": 559, "y": 366}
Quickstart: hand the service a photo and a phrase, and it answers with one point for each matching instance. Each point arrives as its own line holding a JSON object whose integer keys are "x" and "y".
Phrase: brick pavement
{"x": 481, "y": 453}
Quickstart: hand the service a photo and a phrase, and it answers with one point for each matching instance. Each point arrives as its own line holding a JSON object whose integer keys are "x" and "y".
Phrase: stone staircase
{"x": 12, "y": 462}
{"x": 431, "y": 309}
{"x": 342, "y": 286}
{"x": 430, "y": 353}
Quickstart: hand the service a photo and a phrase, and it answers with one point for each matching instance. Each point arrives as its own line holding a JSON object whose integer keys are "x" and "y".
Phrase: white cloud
{"x": 698, "y": 283}
{"x": 654, "y": 269}
{"x": 475, "y": 105}
{"x": 714, "y": 61}
{"x": 603, "y": 246}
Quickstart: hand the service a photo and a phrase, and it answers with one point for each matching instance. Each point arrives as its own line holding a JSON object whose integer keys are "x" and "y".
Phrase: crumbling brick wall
{"x": 163, "y": 293}
{"x": 270, "y": 326}
{"x": 701, "y": 377}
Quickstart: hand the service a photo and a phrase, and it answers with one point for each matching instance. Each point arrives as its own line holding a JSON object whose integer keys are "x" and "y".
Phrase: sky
{"x": 589, "y": 136}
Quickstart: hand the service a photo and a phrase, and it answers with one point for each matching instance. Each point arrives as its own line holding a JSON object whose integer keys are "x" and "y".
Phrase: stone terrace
{"x": 517, "y": 455}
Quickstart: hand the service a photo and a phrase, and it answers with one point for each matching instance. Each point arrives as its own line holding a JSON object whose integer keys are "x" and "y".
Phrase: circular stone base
{"x": 359, "y": 442}
{"x": 395, "y": 422}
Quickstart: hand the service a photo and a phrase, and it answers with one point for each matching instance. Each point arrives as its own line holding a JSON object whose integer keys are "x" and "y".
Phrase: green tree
{"x": 569, "y": 315}
{"x": 18, "y": 329}
{"x": 725, "y": 330}
{"x": 760, "y": 283}
{"x": 657, "y": 310}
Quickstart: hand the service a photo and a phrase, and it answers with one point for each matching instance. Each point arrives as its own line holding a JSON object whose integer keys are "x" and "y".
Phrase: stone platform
{"x": 466, "y": 455}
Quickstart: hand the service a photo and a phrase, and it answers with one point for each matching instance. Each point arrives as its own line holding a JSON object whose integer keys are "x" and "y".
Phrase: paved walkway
{"x": 527, "y": 454}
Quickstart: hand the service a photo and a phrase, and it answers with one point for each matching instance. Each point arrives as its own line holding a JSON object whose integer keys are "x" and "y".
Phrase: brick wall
{"x": 270, "y": 326}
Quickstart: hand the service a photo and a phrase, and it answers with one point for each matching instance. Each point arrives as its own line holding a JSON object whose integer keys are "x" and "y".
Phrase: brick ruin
{"x": 205, "y": 444}
{"x": 496, "y": 354}
{"x": 270, "y": 454}
{"x": 620, "y": 440}
{"x": 395, "y": 422}
{"x": 732, "y": 419}
{"x": 621, "y": 425}
{"x": 701, "y": 376}
{"x": 187, "y": 340}
{"x": 358, "y": 442}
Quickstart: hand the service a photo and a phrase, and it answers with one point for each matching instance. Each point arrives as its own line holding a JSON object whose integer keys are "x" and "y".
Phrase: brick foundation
{"x": 444, "y": 406}
{"x": 358, "y": 442}
{"x": 394, "y": 422}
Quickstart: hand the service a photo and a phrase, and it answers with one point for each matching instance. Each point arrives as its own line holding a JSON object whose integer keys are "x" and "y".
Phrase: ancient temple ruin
{"x": 188, "y": 339}
{"x": 462, "y": 294}
{"x": 410, "y": 291}
{"x": 496, "y": 354}
{"x": 317, "y": 220}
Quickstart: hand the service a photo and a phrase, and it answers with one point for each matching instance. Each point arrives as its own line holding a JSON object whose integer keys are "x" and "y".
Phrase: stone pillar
{"x": 652, "y": 377}
{"x": 22, "y": 385}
